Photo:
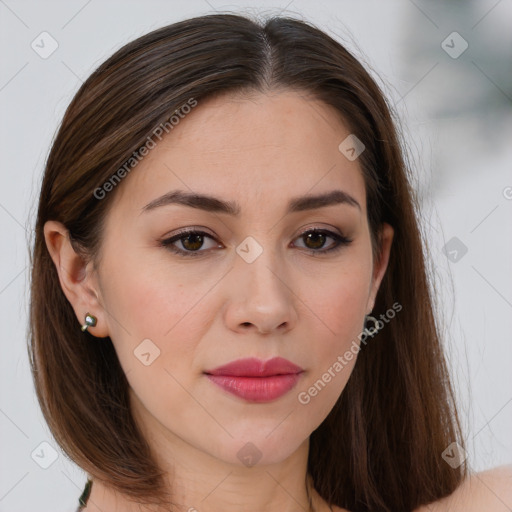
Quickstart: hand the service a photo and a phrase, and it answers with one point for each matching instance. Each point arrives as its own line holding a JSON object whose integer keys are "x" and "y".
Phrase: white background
{"x": 457, "y": 120}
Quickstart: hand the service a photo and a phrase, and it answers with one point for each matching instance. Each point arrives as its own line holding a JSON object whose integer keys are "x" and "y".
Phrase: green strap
{"x": 85, "y": 495}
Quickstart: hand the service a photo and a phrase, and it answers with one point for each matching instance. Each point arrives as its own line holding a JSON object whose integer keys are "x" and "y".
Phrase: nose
{"x": 262, "y": 298}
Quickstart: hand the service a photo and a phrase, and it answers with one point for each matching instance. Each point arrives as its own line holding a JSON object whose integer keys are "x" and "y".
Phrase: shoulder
{"x": 489, "y": 490}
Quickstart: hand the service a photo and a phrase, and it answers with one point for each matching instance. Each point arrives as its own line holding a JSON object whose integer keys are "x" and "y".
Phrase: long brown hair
{"x": 380, "y": 448}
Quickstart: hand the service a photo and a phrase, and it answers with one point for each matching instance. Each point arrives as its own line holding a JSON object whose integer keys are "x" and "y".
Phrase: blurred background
{"x": 446, "y": 68}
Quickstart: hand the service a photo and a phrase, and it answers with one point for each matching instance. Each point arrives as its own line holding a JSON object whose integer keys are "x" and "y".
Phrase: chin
{"x": 256, "y": 447}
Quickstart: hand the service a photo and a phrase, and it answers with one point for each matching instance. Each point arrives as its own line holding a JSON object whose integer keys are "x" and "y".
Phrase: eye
{"x": 191, "y": 241}
{"x": 314, "y": 239}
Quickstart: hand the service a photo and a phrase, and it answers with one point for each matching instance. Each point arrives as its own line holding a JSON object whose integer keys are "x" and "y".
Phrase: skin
{"x": 203, "y": 312}
{"x": 489, "y": 490}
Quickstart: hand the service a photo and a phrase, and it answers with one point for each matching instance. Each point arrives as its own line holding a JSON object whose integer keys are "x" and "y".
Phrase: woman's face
{"x": 253, "y": 286}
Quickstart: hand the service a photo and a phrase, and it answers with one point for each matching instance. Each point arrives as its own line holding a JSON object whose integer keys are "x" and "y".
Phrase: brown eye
{"x": 315, "y": 239}
{"x": 191, "y": 241}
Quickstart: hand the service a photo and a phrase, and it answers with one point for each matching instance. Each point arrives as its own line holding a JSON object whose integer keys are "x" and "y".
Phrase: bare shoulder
{"x": 489, "y": 490}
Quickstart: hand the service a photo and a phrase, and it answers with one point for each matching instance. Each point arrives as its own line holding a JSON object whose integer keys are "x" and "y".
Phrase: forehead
{"x": 251, "y": 148}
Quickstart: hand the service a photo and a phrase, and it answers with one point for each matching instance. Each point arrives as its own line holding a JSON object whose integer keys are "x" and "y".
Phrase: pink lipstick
{"x": 255, "y": 380}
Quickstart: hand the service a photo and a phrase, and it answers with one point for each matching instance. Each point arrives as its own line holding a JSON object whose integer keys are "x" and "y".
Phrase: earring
{"x": 90, "y": 321}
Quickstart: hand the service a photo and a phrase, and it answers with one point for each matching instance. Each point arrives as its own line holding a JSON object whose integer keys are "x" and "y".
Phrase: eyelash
{"x": 341, "y": 241}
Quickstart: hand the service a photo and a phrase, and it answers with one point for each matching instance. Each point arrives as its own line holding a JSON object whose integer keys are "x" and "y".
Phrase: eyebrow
{"x": 216, "y": 205}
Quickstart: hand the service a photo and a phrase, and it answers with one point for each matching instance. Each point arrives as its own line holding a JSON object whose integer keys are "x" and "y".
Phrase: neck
{"x": 104, "y": 499}
{"x": 199, "y": 484}
{"x": 205, "y": 481}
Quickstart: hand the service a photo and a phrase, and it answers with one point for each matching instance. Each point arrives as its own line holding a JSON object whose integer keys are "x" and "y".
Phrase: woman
{"x": 230, "y": 303}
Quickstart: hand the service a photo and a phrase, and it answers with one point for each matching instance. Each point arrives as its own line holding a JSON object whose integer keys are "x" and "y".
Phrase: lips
{"x": 252, "y": 367}
{"x": 255, "y": 380}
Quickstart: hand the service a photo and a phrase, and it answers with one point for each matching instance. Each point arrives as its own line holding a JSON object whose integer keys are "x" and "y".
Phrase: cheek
{"x": 144, "y": 303}
{"x": 337, "y": 309}
{"x": 340, "y": 305}
{"x": 155, "y": 321}
{"x": 151, "y": 298}
{"x": 338, "y": 300}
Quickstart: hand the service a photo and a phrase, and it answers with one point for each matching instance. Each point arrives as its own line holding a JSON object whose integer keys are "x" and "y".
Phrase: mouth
{"x": 255, "y": 380}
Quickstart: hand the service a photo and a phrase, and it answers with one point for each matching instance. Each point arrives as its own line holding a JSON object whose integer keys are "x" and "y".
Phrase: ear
{"x": 379, "y": 268}
{"x": 77, "y": 279}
